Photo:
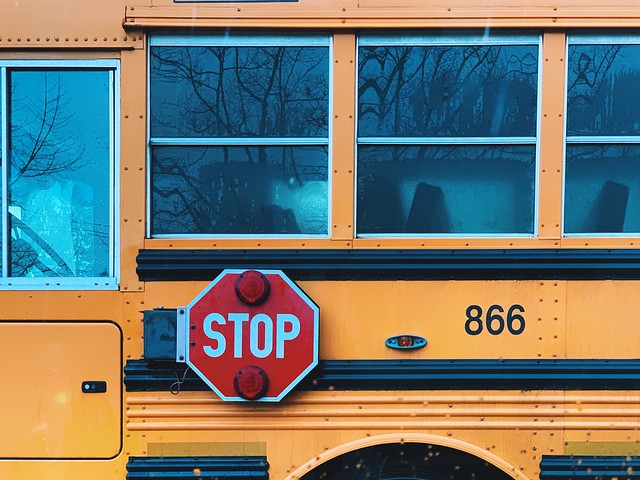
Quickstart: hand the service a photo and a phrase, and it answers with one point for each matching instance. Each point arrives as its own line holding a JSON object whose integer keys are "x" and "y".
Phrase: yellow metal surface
{"x": 343, "y": 130}
{"x": 61, "y": 305}
{"x": 551, "y": 130}
{"x": 49, "y": 426}
{"x": 579, "y": 319}
{"x": 56, "y": 24}
{"x": 357, "y": 317}
{"x": 44, "y": 412}
{"x": 133, "y": 166}
{"x": 602, "y": 448}
{"x": 202, "y": 449}
{"x": 401, "y": 438}
{"x": 601, "y": 319}
{"x": 352, "y": 14}
{"x": 63, "y": 469}
{"x": 512, "y": 428}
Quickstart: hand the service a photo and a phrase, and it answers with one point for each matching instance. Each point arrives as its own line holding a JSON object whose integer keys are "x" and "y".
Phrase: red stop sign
{"x": 252, "y": 331}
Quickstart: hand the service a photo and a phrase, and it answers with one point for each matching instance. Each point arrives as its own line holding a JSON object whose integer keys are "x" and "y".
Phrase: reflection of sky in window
{"x": 59, "y": 180}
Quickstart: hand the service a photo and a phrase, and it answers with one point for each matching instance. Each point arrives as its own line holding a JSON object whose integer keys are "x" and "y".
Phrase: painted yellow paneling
{"x": 350, "y": 14}
{"x": 133, "y": 165}
{"x": 578, "y": 319}
{"x": 602, "y": 319}
{"x": 551, "y": 117}
{"x": 343, "y": 132}
{"x": 357, "y": 317}
{"x": 64, "y": 469}
{"x": 60, "y": 305}
{"x": 65, "y": 24}
{"x": 513, "y": 428}
{"x": 44, "y": 412}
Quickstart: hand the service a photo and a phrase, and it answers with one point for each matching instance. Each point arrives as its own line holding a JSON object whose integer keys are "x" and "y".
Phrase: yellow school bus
{"x": 450, "y": 187}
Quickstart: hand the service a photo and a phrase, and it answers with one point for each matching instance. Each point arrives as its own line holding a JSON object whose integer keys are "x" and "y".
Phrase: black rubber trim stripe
{"x": 562, "y": 467}
{"x": 179, "y": 468}
{"x": 374, "y": 375}
{"x": 575, "y": 264}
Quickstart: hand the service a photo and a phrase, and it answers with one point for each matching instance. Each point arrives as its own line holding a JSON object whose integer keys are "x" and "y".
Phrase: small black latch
{"x": 94, "y": 386}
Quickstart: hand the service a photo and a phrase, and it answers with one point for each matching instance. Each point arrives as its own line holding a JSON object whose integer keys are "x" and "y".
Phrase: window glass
{"x": 239, "y": 92}
{"x": 57, "y": 129}
{"x": 602, "y": 83}
{"x": 602, "y": 186}
{"x": 447, "y": 135}
{"x": 58, "y": 177}
{"x": 239, "y": 136}
{"x": 459, "y": 91}
{"x": 2, "y": 148}
{"x": 602, "y": 158}
{"x": 240, "y": 190}
{"x": 446, "y": 189}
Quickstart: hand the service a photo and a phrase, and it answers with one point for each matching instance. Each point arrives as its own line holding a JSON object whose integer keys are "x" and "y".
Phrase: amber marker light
{"x": 405, "y": 342}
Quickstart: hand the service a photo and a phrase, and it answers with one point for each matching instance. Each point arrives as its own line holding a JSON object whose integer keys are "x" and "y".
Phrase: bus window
{"x": 239, "y": 136}
{"x": 602, "y": 159}
{"x": 447, "y": 134}
{"x": 60, "y": 174}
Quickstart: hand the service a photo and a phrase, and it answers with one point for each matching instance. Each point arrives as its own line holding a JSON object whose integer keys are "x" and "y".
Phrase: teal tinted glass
{"x": 602, "y": 191}
{"x": 223, "y": 91}
{"x": 58, "y": 178}
{"x": 2, "y": 132}
{"x": 483, "y": 189}
{"x": 280, "y": 190}
{"x": 452, "y": 90}
{"x": 602, "y": 90}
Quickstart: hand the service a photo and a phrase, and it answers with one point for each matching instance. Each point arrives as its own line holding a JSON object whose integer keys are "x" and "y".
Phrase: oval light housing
{"x": 405, "y": 342}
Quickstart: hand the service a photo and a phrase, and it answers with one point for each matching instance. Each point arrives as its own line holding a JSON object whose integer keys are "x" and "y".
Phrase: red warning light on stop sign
{"x": 252, "y": 335}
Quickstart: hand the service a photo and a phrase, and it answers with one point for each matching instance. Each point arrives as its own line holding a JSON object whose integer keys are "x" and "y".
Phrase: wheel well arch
{"x": 322, "y": 465}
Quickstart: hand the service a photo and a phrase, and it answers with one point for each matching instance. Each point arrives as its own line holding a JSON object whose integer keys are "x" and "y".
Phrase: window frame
{"x": 591, "y": 38}
{"x": 454, "y": 38}
{"x": 238, "y": 39}
{"x": 109, "y": 282}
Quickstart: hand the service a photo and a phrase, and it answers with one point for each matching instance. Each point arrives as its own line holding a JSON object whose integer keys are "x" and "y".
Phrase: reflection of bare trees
{"x": 176, "y": 187}
{"x": 432, "y": 97}
{"x": 239, "y": 92}
{"x": 43, "y": 146}
{"x": 229, "y": 100}
{"x": 447, "y": 90}
{"x": 601, "y": 98}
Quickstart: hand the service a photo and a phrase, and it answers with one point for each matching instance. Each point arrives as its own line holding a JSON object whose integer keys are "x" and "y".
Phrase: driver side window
{"x": 58, "y": 175}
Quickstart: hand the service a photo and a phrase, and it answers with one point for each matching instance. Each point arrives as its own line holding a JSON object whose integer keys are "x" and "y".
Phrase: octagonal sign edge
{"x": 219, "y": 316}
